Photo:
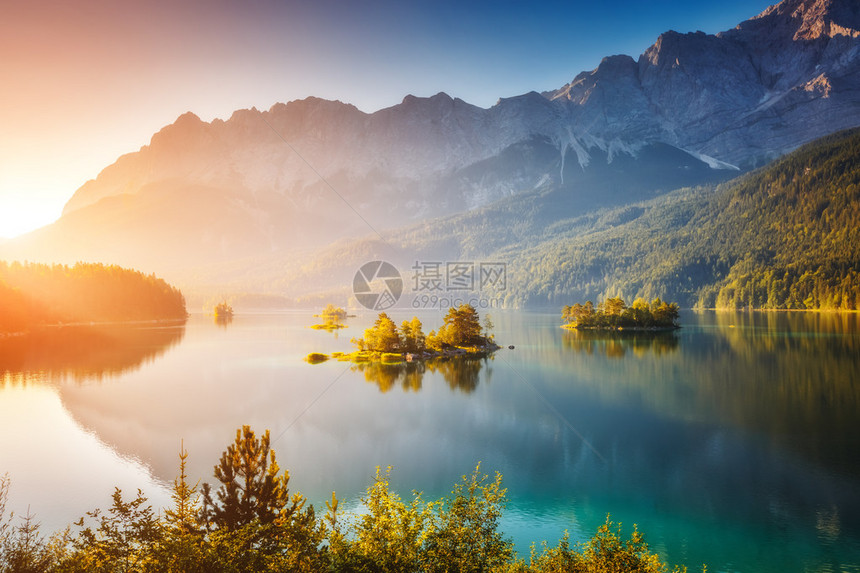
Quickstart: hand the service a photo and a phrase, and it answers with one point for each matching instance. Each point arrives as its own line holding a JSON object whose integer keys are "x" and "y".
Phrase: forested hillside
{"x": 786, "y": 236}
{"x": 36, "y": 294}
{"x": 792, "y": 232}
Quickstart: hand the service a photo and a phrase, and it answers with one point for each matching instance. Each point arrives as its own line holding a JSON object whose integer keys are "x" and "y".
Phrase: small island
{"x": 614, "y": 314}
{"x": 461, "y": 334}
{"x": 333, "y": 318}
{"x": 223, "y": 311}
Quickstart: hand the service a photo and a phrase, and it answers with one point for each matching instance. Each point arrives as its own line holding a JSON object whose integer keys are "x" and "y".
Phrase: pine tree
{"x": 252, "y": 487}
{"x": 253, "y": 522}
{"x": 183, "y": 546}
{"x": 184, "y": 517}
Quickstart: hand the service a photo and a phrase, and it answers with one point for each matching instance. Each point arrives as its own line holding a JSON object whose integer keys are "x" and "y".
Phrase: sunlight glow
{"x": 23, "y": 209}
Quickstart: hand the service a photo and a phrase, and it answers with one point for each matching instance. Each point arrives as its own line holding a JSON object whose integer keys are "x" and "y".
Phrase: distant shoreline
{"x": 58, "y": 325}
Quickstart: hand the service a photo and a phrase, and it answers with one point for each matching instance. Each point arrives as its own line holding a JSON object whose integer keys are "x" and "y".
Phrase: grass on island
{"x": 316, "y": 357}
{"x": 328, "y": 326}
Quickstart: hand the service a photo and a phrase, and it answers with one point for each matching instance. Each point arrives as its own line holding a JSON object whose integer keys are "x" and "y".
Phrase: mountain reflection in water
{"x": 731, "y": 441}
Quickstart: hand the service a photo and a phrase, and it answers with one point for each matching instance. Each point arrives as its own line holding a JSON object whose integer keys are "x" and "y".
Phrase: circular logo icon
{"x": 377, "y": 285}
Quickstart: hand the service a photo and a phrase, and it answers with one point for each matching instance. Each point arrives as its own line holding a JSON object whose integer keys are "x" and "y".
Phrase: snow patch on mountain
{"x": 712, "y": 162}
{"x": 732, "y": 100}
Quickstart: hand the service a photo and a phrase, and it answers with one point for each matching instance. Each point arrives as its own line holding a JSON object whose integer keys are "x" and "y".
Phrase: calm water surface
{"x": 734, "y": 442}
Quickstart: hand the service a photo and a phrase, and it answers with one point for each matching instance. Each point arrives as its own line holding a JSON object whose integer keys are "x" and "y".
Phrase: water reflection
{"x": 732, "y": 442}
{"x": 84, "y": 352}
{"x": 223, "y": 320}
{"x": 460, "y": 373}
{"x": 792, "y": 377}
{"x": 615, "y": 344}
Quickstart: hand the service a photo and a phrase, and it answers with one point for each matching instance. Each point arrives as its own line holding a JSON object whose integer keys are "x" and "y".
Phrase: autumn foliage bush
{"x": 251, "y": 522}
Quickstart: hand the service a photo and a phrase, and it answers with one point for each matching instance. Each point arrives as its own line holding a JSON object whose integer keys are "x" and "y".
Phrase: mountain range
{"x": 252, "y": 202}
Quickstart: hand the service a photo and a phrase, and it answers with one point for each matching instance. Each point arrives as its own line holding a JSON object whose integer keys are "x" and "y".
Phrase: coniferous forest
{"x": 33, "y": 295}
{"x": 786, "y": 236}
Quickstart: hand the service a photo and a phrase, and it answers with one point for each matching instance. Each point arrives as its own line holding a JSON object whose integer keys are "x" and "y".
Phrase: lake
{"x": 734, "y": 441}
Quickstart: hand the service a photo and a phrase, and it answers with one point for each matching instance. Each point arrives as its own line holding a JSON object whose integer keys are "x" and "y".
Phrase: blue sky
{"x": 373, "y": 53}
{"x": 85, "y": 82}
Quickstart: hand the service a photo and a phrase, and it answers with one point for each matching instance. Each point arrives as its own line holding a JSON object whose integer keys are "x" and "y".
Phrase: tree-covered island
{"x": 461, "y": 333}
{"x": 333, "y": 318}
{"x": 223, "y": 311}
{"x": 614, "y": 314}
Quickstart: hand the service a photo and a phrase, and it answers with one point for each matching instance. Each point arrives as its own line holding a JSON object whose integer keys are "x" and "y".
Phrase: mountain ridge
{"x": 785, "y": 236}
{"x": 623, "y": 103}
{"x": 791, "y": 54}
{"x": 692, "y": 109}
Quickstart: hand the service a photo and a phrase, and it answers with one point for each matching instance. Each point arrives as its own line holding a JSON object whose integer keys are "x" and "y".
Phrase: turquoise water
{"x": 733, "y": 442}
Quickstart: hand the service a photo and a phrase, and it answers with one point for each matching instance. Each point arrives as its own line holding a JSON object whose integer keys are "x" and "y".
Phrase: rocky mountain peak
{"x": 618, "y": 65}
{"x": 670, "y": 44}
{"x": 690, "y": 105}
{"x": 187, "y": 127}
{"x": 814, "y": 19}
{"x": 440, "y": 100}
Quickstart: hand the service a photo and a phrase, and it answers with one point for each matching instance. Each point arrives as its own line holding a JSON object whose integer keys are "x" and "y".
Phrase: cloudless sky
{"x": 84, "y": 82}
